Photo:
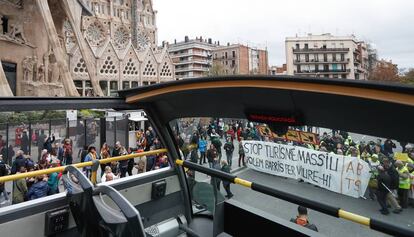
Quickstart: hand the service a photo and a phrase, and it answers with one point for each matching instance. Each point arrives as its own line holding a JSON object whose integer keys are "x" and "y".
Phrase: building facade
{"x": 192, "y": 57}
{"x": 239, "y": 59}
{"x": 327, "y": 56}
{"x": 80, "y": 47}
{"x": 276, "y": 70}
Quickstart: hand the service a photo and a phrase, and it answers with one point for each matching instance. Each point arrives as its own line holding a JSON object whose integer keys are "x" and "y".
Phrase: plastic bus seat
{"x": 125, "y": 222}
{"x": 79, "y": 196}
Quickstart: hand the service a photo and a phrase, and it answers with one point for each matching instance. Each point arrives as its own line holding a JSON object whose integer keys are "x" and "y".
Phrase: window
{"x": 306, "y": 46}
{"x": 343, "y": 76}
{"x": 233, "y": 63}
{"x": 227, "y": 63}
{"x": 335, "y": 76}
{"x": 317, "y": 68}
{"x": 334, "y": 57}
{"x": 326, "y": 75}
{"x": 297, "y": 57}
{"x": 307, "y": 57}
{"x": 113, "y": 86}
{"x": 326, "y": 68}
{"x": 145, "y": 83}
{"x": 316, "y": 56}
{"x": 233, "y": 53}
{"x": 125, "y": 85}
{"x": 297, "y": 46}
{"x": 10, "y": 72}
{"x": 225, "y": 54}
{"x": 342, "y": 57}
{"x": 5, "y": 24}
{"x": 104, "y": 87}
{"x": 298, "y": 68}
{"x": 325, "y": 58}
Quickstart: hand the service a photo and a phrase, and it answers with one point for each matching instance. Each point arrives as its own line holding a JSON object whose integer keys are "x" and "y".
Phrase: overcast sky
{"x": 388, "y": 24}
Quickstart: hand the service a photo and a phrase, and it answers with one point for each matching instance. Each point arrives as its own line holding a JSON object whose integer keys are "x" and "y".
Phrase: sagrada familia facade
{"x": 79, "y": 47}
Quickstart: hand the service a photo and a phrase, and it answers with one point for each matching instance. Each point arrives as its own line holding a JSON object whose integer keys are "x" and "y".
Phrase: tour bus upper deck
{"x": 321, "y": 103}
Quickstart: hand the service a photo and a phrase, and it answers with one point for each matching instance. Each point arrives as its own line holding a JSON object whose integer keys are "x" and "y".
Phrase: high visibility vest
{"x": 405, "y": 183}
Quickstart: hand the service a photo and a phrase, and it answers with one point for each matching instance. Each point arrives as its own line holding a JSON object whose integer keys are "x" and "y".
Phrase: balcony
{"x": 330, "y": 71}
{"x": 313, "y": 61}
{"x": 190, "y": 69}
{"x": 317, "y": 50}
{"x": 196, "y": 61}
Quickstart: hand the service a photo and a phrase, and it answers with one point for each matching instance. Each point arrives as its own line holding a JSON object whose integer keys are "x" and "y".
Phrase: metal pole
{"x": 103, "y": 131}
{"x": 84, "y": 132}
{"x": 67, "y": 128}
{"x": 114, "y": 130}
{"x": 127, "y": 133}
{"x": 30, "y": 137}
{"x": 7, "y": 145}
{"x": 50, "y": 127}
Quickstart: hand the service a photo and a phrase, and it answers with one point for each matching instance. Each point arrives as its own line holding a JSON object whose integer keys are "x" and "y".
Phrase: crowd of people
{"x": 55, "y": 154}
{"x": 391, "y": 183}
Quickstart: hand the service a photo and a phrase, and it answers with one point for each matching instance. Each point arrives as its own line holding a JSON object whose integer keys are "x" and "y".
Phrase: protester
{"x": 53, "y": 180}
{"x": 20, "y": 187}
{"x": 229, "y": 148}
{"x": 225, "y": 167}
{"x": 405, "y": 183}
{"x": 25, "y": 142}
{"x": 39, "y": 189}
{"x": 241, "y": 153}
{"x": 211, "y": 155}
{"x": 3, "y": 172}
{"x": 67, "y": 152}
{"x": 108, "y": 175}
{"x": 303, "y": 219}
{"x": 384, "y": 181}
{"x": 20, "y": 161}
{"x": 48, "y": 143}
{"x": 104, "y": 154}
{"x": 202, "y": 147}
{"x": 91, "y": 156}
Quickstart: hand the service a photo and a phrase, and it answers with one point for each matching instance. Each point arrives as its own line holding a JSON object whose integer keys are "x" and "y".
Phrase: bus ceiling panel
{"x": 61, "y": 103}
{"x": 353, "y": 114}
{"x": 221, "y": 102}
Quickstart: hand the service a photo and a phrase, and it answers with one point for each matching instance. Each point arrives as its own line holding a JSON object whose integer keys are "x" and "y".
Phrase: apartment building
{"x": 239, "y": 59}
{"x": 192, "y": 57}
{"x": 276, "y": 70}
{"x": 327, "y": 56}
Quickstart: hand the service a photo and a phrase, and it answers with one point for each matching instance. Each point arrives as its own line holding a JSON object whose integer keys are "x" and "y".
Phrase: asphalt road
{"x": 329, "y": 226}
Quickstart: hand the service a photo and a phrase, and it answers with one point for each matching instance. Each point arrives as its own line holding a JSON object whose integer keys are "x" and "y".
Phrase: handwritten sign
{"x": 341, "y": 174}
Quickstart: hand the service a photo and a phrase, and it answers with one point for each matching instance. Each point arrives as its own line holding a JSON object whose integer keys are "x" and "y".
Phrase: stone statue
{"x": 41, "y": 74}
{"x": 28, "y": 64}
{"x": 17, "y": 32}
{"x": 54, "y": 69}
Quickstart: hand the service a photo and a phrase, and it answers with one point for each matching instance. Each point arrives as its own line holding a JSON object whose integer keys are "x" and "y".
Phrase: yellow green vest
{"x": 404, "y": 183}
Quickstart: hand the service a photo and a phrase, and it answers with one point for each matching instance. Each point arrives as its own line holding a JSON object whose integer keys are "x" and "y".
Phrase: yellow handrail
{"x": 78, "y": 165}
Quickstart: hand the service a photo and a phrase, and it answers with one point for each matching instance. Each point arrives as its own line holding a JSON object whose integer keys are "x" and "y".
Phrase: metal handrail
{"x": 14, "y": 177}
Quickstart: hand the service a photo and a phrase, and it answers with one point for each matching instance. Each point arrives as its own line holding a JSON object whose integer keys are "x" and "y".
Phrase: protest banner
{"x": 291, "y": 135}
{"x": 342, "y": 174}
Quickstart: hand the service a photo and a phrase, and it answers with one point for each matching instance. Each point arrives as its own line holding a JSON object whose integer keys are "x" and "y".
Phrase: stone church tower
{"x": 80, "y": 47}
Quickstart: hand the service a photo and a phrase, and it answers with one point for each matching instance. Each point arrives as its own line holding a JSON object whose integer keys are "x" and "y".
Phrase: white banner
{"x": 342, "y": 174}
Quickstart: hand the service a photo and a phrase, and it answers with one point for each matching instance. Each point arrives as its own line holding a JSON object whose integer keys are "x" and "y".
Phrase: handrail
{"x": 372, "y": 223}
{"x": 14, "y": 177}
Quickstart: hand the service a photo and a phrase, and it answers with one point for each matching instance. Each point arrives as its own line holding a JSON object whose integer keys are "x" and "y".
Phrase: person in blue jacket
{"x": 39, "y": 189}
{"x": 202, "y": 147}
